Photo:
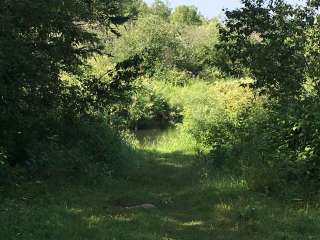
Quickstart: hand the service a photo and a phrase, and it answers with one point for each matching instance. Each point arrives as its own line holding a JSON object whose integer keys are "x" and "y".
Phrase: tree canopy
{"x": 39, "y": 39}
{"x": 188, "y": 15}
{"x": 270, "y": 39}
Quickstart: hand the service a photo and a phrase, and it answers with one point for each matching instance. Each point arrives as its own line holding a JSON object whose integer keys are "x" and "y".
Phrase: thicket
{"x": 273, "y": 140}
{"x": 42, "y": 114}
{"x": 79, "y": 72}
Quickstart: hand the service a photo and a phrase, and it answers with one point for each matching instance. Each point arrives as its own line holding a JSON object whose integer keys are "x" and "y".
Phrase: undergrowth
{"x": 190, "y": 203}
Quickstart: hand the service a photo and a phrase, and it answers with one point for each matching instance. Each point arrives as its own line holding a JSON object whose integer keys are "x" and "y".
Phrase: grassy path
{"x": 189, "y": 206}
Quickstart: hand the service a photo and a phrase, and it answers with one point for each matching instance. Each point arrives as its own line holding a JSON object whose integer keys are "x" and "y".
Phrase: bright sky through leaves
{"x": 211, "y": 8}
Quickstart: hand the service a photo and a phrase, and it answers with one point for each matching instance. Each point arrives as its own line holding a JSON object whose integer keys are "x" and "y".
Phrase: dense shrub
{"x": 88, "y": 149}
{"x": 274, "y": 147}
{"x": 152, "y": 38}
{"x": 211, "y": 111}
{"x": 161, "y": 44}
{"x": 40, "y": 40}
{"x": 151, "y": 110}
{"x": 281, "y": 148}
{"x": 229, "y": 120}
{"x": 216, "y": 112}
{"x": 172, "y": 76}
{"x": 278, "y": 44}
{"x": 200, "y": 47}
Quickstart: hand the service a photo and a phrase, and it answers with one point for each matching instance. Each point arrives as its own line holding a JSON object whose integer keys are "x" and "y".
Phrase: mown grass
{"x": 190, "y": 204}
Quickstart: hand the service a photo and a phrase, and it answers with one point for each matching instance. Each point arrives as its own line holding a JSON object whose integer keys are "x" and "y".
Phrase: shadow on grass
{"x": 188, "y": 206}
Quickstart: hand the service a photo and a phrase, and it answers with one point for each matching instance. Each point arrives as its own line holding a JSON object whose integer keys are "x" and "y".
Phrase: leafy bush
{"x": 217, "y": 114}
{"x": 211, "y": 111}
{"x": 188, "y": 15}
{"x": 152, "y": 38}
{"x": 91, "y": 149}
{"x": 161, "y": 44}
{"x": 150, "y": 109}
{"x": 276, "y": 148}
{"x": 278, "y": 43}
{"x": 281, "y": 149}
{"x": 234, "y": 128}
{"x": 172, "y": 76}
{"x": 200, "y": 47}
{"x": 51, "y": 38}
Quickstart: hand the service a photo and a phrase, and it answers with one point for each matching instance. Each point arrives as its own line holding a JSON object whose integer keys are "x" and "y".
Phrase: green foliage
{"x": 89, "y": 148}
{"x": 63, "y": 65}
{"x": 146, "y": 109}
{"x": 150, "y": 109}
{"x": 186, "y": 15}
{"x": 133, "y": 8}
{"x": 213, "y": 117}
{"x": 171, "y": 140}
{"x": 172, "y": 76}
{"x": 39, "y": 41}
{"x": 269, "y": 38}
{"x": 160, "y": 8}
{"x": 200, "y": 48}
{"x": 286, "y": 144}
{"x": 275, "y": 147}
{"x": 188, "y": 203}
{"x": 165, "y": 45}
{"x": 312, "y": 53}
{"x": 152, "y": 38}
{"x": 276, "y": 144}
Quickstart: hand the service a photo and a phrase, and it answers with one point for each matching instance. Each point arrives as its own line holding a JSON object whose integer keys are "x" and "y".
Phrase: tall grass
{"x": 173, "y": 140}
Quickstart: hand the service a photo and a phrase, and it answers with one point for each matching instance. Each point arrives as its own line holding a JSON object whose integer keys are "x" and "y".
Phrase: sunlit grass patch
{"x": 172, "y": 140}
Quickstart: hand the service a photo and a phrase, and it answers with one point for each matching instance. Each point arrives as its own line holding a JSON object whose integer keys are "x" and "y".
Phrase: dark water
{"x": 147, "y": 136}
